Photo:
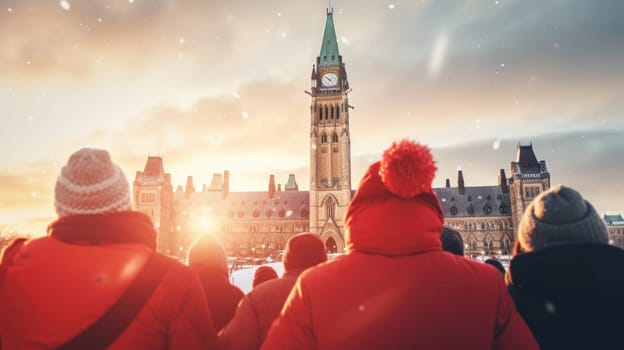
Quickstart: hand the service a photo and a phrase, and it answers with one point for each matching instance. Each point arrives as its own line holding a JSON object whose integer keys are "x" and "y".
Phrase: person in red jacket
{"x": 262, "y": 305}
{"x": 207, "y": 257}
{"x": 395, "y": 288}
{"x": 263, "y": 274}
{"x": 53, "y": 288}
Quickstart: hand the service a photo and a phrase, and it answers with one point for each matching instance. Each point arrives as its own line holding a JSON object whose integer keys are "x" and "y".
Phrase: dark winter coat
{"x": 572, "y": 295}
{"x": 255, "y": 314}
{"x": 222, "y": 296}
{"x": 52, "y": 289}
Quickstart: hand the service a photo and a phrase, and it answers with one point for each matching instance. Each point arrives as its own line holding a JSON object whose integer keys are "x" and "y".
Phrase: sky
{"x": 219, "y": 85}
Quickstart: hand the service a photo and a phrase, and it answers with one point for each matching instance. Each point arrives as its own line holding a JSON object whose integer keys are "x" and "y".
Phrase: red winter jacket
{"x": 396, "y": 288}
{"x": 255, "y": 314}
{"x": 424, "y": 300}
{"x": 51, "y": 290}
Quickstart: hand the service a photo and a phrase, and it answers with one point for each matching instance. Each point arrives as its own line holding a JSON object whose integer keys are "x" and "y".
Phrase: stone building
{"x": 259, "y": 223}
{"x": 615, "y": 225}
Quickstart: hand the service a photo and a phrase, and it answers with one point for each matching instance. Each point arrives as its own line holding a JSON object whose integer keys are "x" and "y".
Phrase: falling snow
{"x": 236, "y": 95}
{"x": 344, "y": 40}
{"x": 496, "y": 144}
{"x": 478, "y": 124}
{"x": 30, "y": 118}
{"x": 289, "y": 213}
{"x": 391, "y": 6}
{"x": 10, "y": 9}
{"x": 279, "y": 14}
{"x": 131, "y": 1}
{"x": 283, "y": 34}
{"x": 181, "y": 40}
{"x": 245, "y": 115}
{"x": 65, "y": 5}
{"x": 99, "y": 19}
{"x": 502, "y": 65}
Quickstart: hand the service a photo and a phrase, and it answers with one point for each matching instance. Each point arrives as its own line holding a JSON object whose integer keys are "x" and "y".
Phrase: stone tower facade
{"x": 529, "y": 177}
{"x": 153, "y": 195}
{"x": 330, "y": 143}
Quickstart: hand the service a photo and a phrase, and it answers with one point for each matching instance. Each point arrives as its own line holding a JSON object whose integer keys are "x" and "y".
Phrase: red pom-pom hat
{"x": 395, "y": 211}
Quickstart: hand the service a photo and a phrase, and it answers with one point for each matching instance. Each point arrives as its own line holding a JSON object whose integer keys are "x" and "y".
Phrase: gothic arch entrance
{"x": 331, "y": 246}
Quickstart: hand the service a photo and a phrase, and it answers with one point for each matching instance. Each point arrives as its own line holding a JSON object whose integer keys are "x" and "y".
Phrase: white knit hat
{"x": 91, "y": 183}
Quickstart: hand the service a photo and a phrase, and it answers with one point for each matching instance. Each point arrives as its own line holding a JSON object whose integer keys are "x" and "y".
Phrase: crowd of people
{"x": 96, "y": 281}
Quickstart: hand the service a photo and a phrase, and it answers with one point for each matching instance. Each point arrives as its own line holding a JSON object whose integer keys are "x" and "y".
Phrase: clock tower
{"x": 330, "y": 143}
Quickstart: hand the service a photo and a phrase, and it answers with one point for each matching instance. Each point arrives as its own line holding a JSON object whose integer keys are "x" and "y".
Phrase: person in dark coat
{"x": 262, "y": 305}
{"x": 566, "y": 280}
{"x": 396, "y": 288}
{"x": 496, "y": 264}
{"x": 263, "y": 274}
{"x": 452, "y": 241}
{"x": 207, "y": 257}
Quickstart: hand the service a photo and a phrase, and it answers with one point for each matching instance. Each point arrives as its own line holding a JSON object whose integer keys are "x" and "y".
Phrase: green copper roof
{"x": 611, "y": 219}
{"x": 329, "y": 47}
{"x": 291, "y": 185}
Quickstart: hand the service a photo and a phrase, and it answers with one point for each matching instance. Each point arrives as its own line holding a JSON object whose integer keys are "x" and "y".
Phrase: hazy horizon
{"x": 218, "y": 85}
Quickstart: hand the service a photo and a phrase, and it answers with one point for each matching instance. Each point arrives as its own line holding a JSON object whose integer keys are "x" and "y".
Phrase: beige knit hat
{"x": 560, "y": 215}
{"x": 91, "y": 183}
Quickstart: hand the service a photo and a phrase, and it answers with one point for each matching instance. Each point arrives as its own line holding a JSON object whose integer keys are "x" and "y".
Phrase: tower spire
{"x": 329, "y": 55}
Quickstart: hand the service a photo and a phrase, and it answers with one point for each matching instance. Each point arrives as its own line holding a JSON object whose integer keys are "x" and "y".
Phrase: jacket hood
{"x": 380, "y": 222}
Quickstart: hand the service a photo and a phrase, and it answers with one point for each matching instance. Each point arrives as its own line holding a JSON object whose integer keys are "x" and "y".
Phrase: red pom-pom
{"x": 407, "y": 169}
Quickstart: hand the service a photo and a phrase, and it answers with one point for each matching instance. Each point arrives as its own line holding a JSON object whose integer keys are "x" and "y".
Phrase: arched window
{"x": 324, "y": 138}
{"x": 321, "y": 113}
{"x": 337, "y": 113}
{"x": 326, "y": 112}
{"x": 332, "y": 112}
{"x": 334, "y": 137}
{"x": 330, "y": 207}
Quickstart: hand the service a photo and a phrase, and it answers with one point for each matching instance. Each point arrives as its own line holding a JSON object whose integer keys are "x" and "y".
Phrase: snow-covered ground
{"x": 243, "y": 278}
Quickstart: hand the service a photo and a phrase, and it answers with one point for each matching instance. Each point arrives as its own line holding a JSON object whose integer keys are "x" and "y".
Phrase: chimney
{"x": 226, "y": 183}
{"x": 271, "y": 185}
{"x": 448, "y": 183}
{"x": 279, "y": 187}
{"x": 502, "y": 181}
{"x": 189, "y": 185}
{"x": 460, "y": 182}
{"x": 180, "y": 188}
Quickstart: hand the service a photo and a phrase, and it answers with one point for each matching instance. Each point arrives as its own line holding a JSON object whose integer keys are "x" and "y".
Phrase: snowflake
{"x": 344, "y": 40}
{"x": 10, "y": 9}
{"x": 496, "y": 144}
{"x": 391, "y": 6}
{"x": 131, "y": 1}
{"x": 65, "y": 5}
{"x": 236, "y": 95}
{"x": 245, "y": 115}
{"x": 99, "y": 19}
{"x": 181, "y": 40}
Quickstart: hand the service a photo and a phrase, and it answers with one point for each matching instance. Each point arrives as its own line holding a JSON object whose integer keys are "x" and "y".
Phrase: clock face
{"x": 329, "y": 79}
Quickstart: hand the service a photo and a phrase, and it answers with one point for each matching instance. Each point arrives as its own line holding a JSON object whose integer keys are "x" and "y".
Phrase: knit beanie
{"x": 560, "y": 215}
{"x": 208, "y": 252}
{"x": 304, "y": 250}
{"x": 91, "y": 183}
{"x": 263, "y": 274}
{"x": 395, "y": 211}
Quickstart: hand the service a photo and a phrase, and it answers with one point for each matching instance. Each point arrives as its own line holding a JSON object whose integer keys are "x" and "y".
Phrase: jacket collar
{"x": 111, "y": 228}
